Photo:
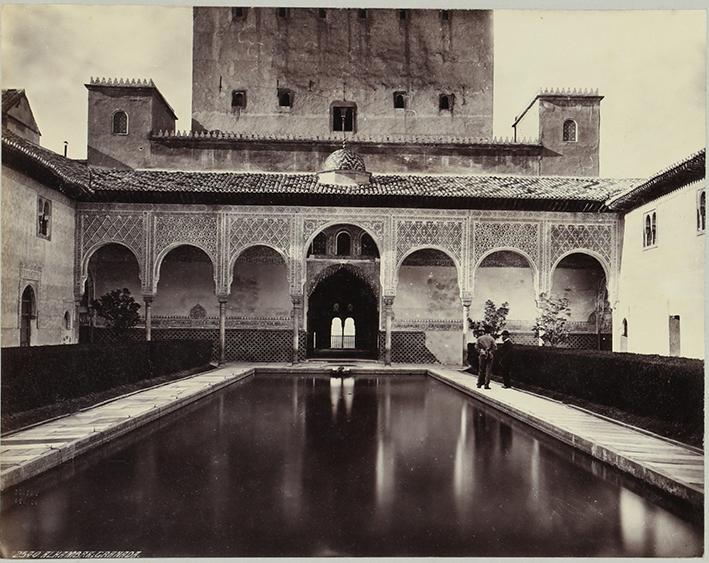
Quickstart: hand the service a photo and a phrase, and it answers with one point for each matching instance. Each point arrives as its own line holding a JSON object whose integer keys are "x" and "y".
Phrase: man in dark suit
{"x": 504, "y": 356}
{"x": 485, "y": 347}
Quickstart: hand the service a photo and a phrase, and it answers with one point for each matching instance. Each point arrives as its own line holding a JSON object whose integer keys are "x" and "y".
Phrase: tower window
{"x": 362, "y": 14}
{"x": 399, "y": 100}
{"x": 67, "y": 320}
{"x": 625, "y": 327}
{"x": 650, "y": 229}
{"x": 402, "y": 14}
{"x": 285, "y": 98}
{"x": 701, "y": 210}
{"x": 44, "y": 218}
{"x": 344, "y": 118}
{"x": 322, "y": 12}
{"x": 569, "y": 134}
{"x": 238, "y": 13}
{"x": 445, "y": 102}
{"x": 119, "y": 123}
{"x": 238, "y": 99}
{"x": 444, "y": 15}
{"x": 282, "y": 12}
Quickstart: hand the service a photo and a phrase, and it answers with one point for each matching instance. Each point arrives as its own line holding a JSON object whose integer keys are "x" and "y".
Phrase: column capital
{"x": 222, "y": 297}
{"x": 148, "y": 297}
{"x": 297, "y": 299}
{"x": 388, "y": 301}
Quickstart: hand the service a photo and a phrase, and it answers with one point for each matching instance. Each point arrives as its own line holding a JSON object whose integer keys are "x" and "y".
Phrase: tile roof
{"x": 688, "y": 170}
{"x": 69, "y": 172}
{"x": 106, "y": 184}
{"x": 10, "y": 98}
{"x": 412, "y": 185}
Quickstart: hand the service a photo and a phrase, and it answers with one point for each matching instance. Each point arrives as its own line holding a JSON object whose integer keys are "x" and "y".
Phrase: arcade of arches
{"x": 345, "y": 290}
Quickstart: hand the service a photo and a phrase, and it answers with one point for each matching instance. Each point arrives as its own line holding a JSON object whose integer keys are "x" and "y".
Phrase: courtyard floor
{"x": 670, "y": 466}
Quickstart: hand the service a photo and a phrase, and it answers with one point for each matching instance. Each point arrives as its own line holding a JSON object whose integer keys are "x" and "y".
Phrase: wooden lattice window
{"x": 570, "y": 131}
{"x": 119, "y": 123}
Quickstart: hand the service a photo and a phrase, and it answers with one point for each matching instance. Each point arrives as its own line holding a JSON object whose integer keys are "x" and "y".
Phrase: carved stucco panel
{"x": 441, "y": 233}
{"x": 248, "y": 230}
{"x": 596, "y": 238}
{"x": 126, "y": 228}
{"x": 521, "y": 236}
{"x": 198, "y": 229}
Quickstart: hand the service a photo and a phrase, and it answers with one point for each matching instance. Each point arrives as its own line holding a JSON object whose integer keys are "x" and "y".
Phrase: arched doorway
{"x": 582, "y": 280}
{"x": 112, "y": 266}
{"x": 27, "y": 315}
{"x": 343, "y": 317}
{"x": 506, "y": 276}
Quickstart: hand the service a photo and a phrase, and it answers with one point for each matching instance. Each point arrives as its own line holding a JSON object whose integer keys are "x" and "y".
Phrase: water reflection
{"x": 353, "y": 466}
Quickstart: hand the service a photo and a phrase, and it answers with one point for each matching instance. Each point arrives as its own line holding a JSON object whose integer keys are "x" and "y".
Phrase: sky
{"x": 649, "y": 65}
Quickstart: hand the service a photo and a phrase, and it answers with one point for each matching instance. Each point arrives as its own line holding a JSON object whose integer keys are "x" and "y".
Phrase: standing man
{"x": 505, "y": 358}
{"x": 485, "y": 347}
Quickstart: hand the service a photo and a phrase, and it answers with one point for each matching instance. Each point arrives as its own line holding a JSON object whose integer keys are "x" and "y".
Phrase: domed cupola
{"x": 344, "y": 167}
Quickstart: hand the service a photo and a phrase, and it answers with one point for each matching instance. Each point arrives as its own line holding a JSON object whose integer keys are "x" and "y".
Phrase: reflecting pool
{"x": 363, "y": 466}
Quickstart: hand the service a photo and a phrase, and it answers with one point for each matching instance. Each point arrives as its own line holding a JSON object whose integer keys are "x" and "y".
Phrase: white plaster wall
{"x": 428, "y": 293}
{"x": 665, "y": 280}
{"x": 500, "y": 284}
{"x": 447, "y": 346}
{"x": 580, "y": 287}
{"x": 53, "y": 260}
{"x": 259, "y": 289}
{"x": 182, "y": 285}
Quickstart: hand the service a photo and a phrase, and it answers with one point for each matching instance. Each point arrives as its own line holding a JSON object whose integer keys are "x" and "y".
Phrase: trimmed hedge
{"x": 37, "y": 376}
{"x": 663, "y": 387}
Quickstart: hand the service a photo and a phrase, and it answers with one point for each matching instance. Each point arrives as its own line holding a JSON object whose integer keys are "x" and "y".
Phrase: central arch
{"x": 342, "y": 301}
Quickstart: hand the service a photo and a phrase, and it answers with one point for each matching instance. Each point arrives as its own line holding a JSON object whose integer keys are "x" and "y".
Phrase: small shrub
{"x": 118, "y": 308}
{"x": 494, "y": 319}
{"x": 550, "y": 325}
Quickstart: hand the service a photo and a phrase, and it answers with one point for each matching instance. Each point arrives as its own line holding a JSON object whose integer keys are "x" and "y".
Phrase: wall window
{"x": 322, "y": 12}
{"x": 238, "y": 99}
{"x": 282, "y": 12}
{"x": 625, "y": 328}
{"x": 285, "y": 98}
{"x": 119, "y": 123}
{"x": 569, "y": 132}
{"x": 67, "y": 320}
{"x": 319, "y": 246}
{"x": 369, "y": 248}
{"x": 444, "y": 15}
{"x": 445, "y": 102}
{"x": 403, "y": 14}
{"x": 343, "y": 244}
{"x": 701, "y": 210}
{"x": 238, "y": 13}
{"x": 399, "y": 100}
{"x": 650, "y": 229}
{"x": 44, "y": 218}
{"x": 362, "y": 14}
{"x": 344, "y": 118}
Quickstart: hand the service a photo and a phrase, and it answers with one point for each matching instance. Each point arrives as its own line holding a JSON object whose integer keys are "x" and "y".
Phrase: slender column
{"x": 222, "y": 327}
{"x": 148, "y": 301}
{"x": 388, "y": 305}
{"x": 296, "y": 315}
{"x": 466, "y": 315}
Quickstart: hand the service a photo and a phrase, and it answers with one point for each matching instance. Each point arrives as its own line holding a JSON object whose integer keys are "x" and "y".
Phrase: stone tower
{"x": 314, "y": 72}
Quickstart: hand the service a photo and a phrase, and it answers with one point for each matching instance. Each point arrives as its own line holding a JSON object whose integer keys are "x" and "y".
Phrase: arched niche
{"x": 111, "y": 266}
{"x": 582, "y": 279}
{"x": 506, "y": 276}
{"x": 185, "y": 279}
{"x": 259, "y": 285}
{"x": 427, "y": 287}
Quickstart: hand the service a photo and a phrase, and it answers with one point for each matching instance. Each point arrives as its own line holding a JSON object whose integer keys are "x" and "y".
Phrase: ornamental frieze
{"x": 510, "y": 235}
{"x": 249, "y": 230}
{"x": 597, "y": 238}
{"x": 124, "y": 228}
{"x": 197, "y": 229}
{"x": 428, "y": 233}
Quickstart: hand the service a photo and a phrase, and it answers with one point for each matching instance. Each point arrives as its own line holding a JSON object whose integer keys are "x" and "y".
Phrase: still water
{"x": 298, "y": 466}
